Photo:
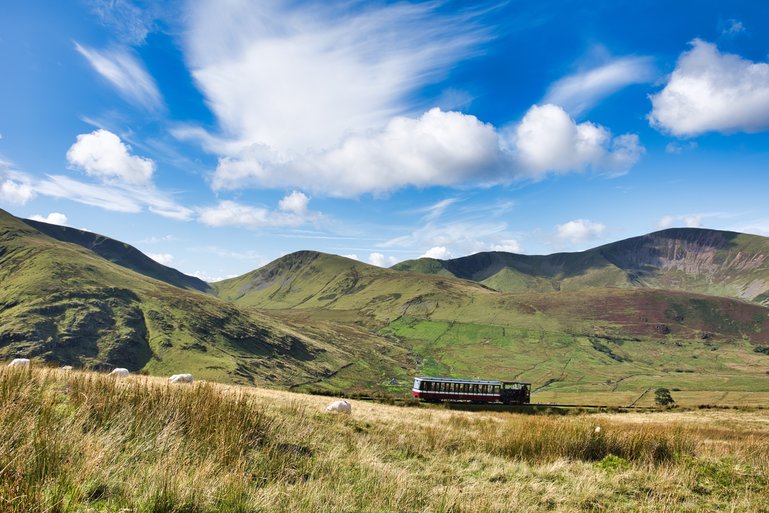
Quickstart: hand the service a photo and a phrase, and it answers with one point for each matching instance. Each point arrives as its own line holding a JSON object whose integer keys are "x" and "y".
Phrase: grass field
{"x": 79, "y": 442}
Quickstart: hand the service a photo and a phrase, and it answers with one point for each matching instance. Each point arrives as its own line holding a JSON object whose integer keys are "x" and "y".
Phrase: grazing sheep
{"x": 19, "y": 362}
{"x": 340, "y": 407}
{"x": 180, "y": 378}
{"x": 67, "y": 368}
{"x": 119, "y": 372}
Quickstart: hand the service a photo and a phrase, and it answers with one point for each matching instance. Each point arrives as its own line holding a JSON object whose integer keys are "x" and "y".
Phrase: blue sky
{"x": 218, "y": 135}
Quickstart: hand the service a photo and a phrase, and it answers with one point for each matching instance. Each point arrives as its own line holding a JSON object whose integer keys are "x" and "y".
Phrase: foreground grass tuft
{"x": 75, "y": 442}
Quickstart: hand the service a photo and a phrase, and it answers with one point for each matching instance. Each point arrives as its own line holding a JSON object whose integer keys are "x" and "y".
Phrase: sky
{"x": 219, "y": 135}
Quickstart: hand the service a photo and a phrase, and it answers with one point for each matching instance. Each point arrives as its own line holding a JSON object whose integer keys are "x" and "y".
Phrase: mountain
{"x": 712, "y": 262}
{"x": 121, "y": 254}
{"x": 65, "y": 304}
{"x": 310, "y": 320}
{"x": 594, "y": 339}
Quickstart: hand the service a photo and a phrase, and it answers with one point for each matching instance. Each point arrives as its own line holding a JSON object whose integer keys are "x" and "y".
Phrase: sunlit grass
{"x": 80, "y": 441}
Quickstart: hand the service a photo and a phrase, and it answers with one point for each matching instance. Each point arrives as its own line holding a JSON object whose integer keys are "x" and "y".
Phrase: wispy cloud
{"x": 580, "y": 91}
{"x": 126, "y": 73}
{"x": 298, "y": 79}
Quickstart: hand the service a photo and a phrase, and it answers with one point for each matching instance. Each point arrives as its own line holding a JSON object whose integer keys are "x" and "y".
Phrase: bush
{"x": 663, "y": 398}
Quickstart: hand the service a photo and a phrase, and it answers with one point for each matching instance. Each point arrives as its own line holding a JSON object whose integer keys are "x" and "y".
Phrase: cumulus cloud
{"x": 508, "y": 246}
{"x": 295, "y": 202}
{"x": 548, "y": 140}
{"x": 162, "y": 258}
{"x": 710, "y": 91}
{"x": 380, "y": 260}
{"x": 438, "y": 148}
{"x": 352, "y": 256}
{"x": 15, "y": 192}
{"x": 126, "y": 73}
{"x": 579, "y": 230}
{"x": 580, "y": 91}
{"x": 102, "y": 154}
{"x": 292, "y": 211}
{"x": 437, "y": 252}
{"x": 52, "y": 218}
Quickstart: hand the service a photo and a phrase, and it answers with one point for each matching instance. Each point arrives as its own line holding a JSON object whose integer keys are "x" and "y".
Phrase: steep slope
{"x": 121, "y": 254}
{"x": 62, "y": 303}
{"x": 711, "y": 262}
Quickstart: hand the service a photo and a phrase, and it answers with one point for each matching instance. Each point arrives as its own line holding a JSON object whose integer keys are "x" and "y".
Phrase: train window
{"x": 485, "y": 389}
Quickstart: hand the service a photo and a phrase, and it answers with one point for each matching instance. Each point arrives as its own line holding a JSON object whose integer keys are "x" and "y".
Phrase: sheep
{"x": 180, "y": 378}
{"x": 66, "y": 368}
{"x": 119, "y": 372}
{"x": 340, "y": 407}
{"x": 19, "y": 362}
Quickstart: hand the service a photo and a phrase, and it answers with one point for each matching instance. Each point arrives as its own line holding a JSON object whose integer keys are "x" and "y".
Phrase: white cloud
{"x": 117, "y": 198}
{"x": 380, "y": 260}
{"x": 162, "y": 258}
{"x": 352, "y": 256}
{"x": 15, "y": 192}
{"x": 299, "y": 79}
{"x": 438, "y": 148}
{"x": 437, "y": 252}
{"x": 102, "y": 154}
{"x": 52, "y": 218}
{"x": 579, "y": 230}
{"x": 320, "y": 99}
{"x": 548, "y": 140}
{"x": 124, "y": 71}
{"x": 710, "y": 91}
{"x": 579, "y": 92}
{"x": 295, "y": 202}
{"x": 508, "y": 246}
{"x": 688, "y": 220}
{"x": 292, "y": 211}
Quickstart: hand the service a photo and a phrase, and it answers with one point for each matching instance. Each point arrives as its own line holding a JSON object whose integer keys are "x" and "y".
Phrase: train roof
{"x": 472, "y": 381}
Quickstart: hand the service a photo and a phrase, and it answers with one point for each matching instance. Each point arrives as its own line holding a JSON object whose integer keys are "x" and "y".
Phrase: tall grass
{"x": 75, "y": 442}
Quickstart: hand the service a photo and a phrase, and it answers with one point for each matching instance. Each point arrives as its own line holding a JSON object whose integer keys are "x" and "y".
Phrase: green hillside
{"x": 65, "y": 304}
{"x": 593, "y": 340}
{"x": 315, "y": 321}
{"x": 121, "y": 254}
{"x": 710, "y": 262}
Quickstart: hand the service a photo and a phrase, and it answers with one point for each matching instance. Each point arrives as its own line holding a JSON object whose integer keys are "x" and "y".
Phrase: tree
{"x": 663, "y": 398}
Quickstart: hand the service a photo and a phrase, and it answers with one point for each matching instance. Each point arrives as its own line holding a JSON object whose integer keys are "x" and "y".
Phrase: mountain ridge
{"x": 715, "y": 262}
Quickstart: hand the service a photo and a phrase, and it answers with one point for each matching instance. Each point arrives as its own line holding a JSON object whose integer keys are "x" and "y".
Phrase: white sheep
{"x": 180, "y": 378}
{"x": 340, "y": 407}
{"x": 119, "y": 372}
{"x": 19, "y": 362}
{"x": 66, "y": 368}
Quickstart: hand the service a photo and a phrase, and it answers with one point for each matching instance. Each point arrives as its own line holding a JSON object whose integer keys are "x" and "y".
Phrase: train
{"x": 468, "y": 390}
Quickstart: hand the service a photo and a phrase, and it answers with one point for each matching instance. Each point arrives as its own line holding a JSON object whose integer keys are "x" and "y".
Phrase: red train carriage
{"x": 454, "y": 390}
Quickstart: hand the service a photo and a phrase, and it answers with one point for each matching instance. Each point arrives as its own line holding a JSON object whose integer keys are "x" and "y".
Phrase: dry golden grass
{"x": 78, "y": 442}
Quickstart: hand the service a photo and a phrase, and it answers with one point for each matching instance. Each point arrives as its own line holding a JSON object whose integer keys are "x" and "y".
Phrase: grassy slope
{"x": 63, "y": 303}
{"x": 121, "y": 254}
{"x": 596, "y": 340}
{"x": 688, "y": 259}
{"x": 80, "y": 442}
